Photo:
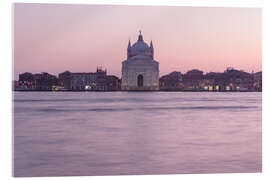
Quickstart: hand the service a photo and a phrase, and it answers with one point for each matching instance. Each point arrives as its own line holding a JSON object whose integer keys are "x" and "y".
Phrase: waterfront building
{"x": 172, "y": 82}
{"x": 207, "y": 84}
{"x": 140, "y": 71}
{"x": 45, "y": 81}
{"x": 217, "y": 80}
{"x": 113, "y": 83}
{"x": 41, "y": 81}
{"x": 237, "y": 80}
{"x": 101, "y": 79}
{"x": 192, "y": 80}
{"x": 81, "y": 81}
{"x": 65, "y": 79}
{"x": 257, "y": 84}
{"x": 26, "y": 81}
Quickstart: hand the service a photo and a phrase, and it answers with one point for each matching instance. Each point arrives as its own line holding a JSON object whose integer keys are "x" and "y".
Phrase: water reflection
{"x": 91, "y": 133}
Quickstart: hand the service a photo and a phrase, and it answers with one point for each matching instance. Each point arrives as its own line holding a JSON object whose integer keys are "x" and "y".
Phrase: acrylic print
{"x": 134, "y": 90}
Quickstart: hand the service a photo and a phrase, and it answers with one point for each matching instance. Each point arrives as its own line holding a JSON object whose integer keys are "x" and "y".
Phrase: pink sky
{"x": 54, "y": 38}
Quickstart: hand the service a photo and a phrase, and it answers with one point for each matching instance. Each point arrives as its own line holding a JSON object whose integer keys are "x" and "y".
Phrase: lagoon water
{"x": 113, "y": 133}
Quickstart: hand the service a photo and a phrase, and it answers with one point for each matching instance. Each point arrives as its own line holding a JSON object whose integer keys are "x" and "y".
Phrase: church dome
{"x": 140, "y": 48}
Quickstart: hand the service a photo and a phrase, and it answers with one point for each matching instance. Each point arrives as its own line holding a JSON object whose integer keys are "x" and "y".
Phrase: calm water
{"x": 95, "y": 133}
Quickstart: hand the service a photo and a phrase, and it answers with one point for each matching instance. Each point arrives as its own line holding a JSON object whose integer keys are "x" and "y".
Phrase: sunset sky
{"x": 54, "y": 38}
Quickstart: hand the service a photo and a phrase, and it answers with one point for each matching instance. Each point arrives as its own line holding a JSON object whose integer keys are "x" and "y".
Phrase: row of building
{"x": 68, "y": 81}
{"x": 193, "y": 80}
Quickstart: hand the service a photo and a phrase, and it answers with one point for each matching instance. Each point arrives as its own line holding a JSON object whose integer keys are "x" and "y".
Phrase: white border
{"x": 209, "y": 3}
{"x": 6, "y": 78}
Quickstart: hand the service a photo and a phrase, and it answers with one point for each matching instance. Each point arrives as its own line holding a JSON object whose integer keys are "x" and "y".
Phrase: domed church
{"x": 140, "y": 71}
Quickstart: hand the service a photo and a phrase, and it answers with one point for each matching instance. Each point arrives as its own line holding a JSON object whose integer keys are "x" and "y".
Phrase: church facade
{"x": 140, "y": 72}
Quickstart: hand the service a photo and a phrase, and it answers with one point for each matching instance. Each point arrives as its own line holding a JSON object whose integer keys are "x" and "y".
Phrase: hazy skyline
{"x": 56, "y": 37}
